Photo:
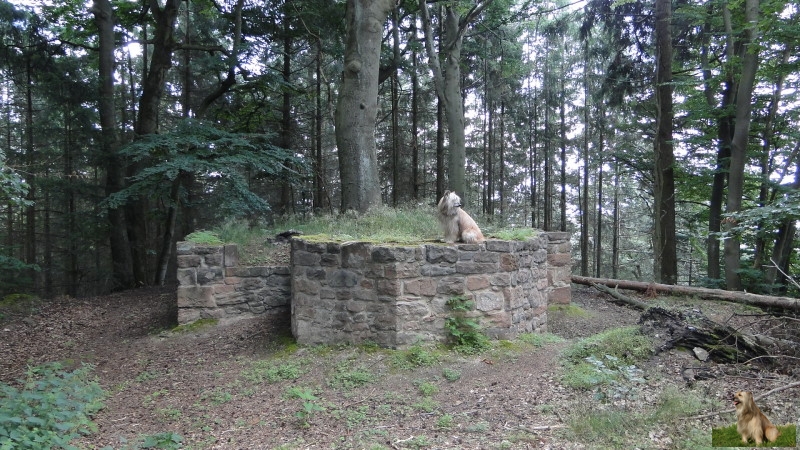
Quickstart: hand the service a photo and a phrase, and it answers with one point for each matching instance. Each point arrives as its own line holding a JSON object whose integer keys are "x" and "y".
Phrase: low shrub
{"x": 52, "y": 408}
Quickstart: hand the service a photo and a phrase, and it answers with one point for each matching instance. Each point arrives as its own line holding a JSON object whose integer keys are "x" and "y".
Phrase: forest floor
{"x": 247, "y": 385}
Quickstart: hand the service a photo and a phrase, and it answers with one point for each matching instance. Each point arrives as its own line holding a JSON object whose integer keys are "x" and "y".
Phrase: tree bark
{"x": 357, "y": 108}
{"x": 447, "y": 81}
{"x": 121, "y": 261}
{"x": 764, "y": 301}
{"x": 666, "y": 258}
{"x": 147, "y": 123}
{"x": 739, "y": 143}
{"x": 724, "y": 137}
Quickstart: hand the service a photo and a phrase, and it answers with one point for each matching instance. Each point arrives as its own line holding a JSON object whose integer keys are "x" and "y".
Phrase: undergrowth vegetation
{"x": 605, "y": 358}
{"x": 52, "y": 407}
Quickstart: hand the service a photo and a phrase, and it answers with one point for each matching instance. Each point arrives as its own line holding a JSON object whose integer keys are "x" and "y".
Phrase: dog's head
{"x": 449, "y": 202}
{"x": 742, "y": 400}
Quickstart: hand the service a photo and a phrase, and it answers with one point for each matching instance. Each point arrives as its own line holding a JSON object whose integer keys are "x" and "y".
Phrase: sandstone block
{"x": 304, "y": 258}
{"x": 473, "y": 267}
{"x": 435, "y": 254}
{"x": 214, "y": 260}
{"x": 187, "y": 277}
{"x": 196, "y": 297}
{"x": 450, "y": 286}
{"x": 356, "y": 255}
{"x": 561, "y": 296}
{"x": 343, "y": 278}
{"x": 389, "y": 287}
{"x": 488, "y": 301}
{"x": 421, "y": 286}
{"x": 230, "y": 254}
{"x": 509, "y": 262}
{"x": 436, "y": 271}
{"x": 185, "y": 261}
{"x": 184, "y": 248}
{"x": 477, "y": 282}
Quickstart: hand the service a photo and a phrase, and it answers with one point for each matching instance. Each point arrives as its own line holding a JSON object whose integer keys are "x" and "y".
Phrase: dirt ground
{"x": 209, "y": 385}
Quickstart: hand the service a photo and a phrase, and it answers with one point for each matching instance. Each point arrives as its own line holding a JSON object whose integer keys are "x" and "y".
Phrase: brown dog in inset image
{"x": 752, "y": 423}
{"x": 457, "y": 225}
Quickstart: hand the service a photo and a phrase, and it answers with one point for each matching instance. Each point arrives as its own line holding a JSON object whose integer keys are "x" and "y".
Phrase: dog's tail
{"x": 771, "y": 433}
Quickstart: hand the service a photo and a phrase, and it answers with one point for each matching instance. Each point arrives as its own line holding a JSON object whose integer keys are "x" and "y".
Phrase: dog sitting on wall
{"x": 751, "y": 422}
{"x": 457, "y": 225}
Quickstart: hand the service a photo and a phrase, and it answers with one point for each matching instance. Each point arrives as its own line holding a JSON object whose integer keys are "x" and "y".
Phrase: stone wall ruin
{"x": 392, "y": 295}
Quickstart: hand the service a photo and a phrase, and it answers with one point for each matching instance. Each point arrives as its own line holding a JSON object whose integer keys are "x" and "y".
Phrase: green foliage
{"x": 515, "y": 234}
{"x": 415, "y": 356}
{"x": 13, "y": 188}
{"x": 466, "y": 335}
{"x": 309, "y": 405}
{"x": 167, "y": 441}
{"x": 626, "y": 344}
{"x": 606, "y": 358}
{"x": 540, "y": 339}
{"x": 221, "y": 159}
{"x": 427, "y": 388}
{"x": 445, "y": 421}
{"x": 630, "y": 428}
{"x": 52, "y": 408}
{"x": 347, "y": 377}
{"x": 204, "y": 237}
{"x": 267, "y": 370}
{"x": 451, "y": 374}
{"x": 16, "y": 273}
{"x": 380, "y": 224}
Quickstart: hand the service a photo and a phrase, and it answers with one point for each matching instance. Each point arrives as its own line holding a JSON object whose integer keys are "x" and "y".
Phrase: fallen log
{"x": 764, "y": 301}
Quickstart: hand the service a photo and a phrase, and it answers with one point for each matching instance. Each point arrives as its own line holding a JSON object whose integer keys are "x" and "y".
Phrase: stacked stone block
{"x": 392, "y": 295}
{"x": 211, "y": 284}
{"x": 396, "y": 295}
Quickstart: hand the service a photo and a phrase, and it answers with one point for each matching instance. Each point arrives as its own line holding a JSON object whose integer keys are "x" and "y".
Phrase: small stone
{"x": 700, "y": 353}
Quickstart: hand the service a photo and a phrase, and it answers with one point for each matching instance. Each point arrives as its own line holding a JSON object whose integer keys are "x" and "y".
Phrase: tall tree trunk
{"x": 666, "y": 256}
{"x": 740, "y": 141}
{"x": 147, "y": 123}
{"x": 395, "y": 108}
{"x": 766, "y": 160}
{"x": 357, "y": 108}
{"x": 724, "y": 136}
{"x": 30, "y": 155}
{"x": 547, "y": 184}
{"x": 414, "y": 117}
{"x": 121, "y": 261}
{"x": 318, "y": 161}
{"x": 287, "y": 205}
{"x": 616, "y": 226}
{"x": 563, "y": 117}
{"x": 447, "y": 81}
{"x": 584, "y": 204}
{"x": 598, "y": 236}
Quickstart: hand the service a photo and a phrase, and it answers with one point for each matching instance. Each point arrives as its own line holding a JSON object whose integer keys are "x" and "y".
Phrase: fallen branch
{"x": 716, "y": 294}
{"x": 623, "y": 298}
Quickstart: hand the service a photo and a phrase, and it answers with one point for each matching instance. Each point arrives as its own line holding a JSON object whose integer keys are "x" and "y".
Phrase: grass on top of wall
{"x": 405, "y": 225}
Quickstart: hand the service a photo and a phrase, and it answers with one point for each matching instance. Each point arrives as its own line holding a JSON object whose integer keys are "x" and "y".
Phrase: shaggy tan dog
{"x": 752, "y": 422}
{"x": 457, "y": 225}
